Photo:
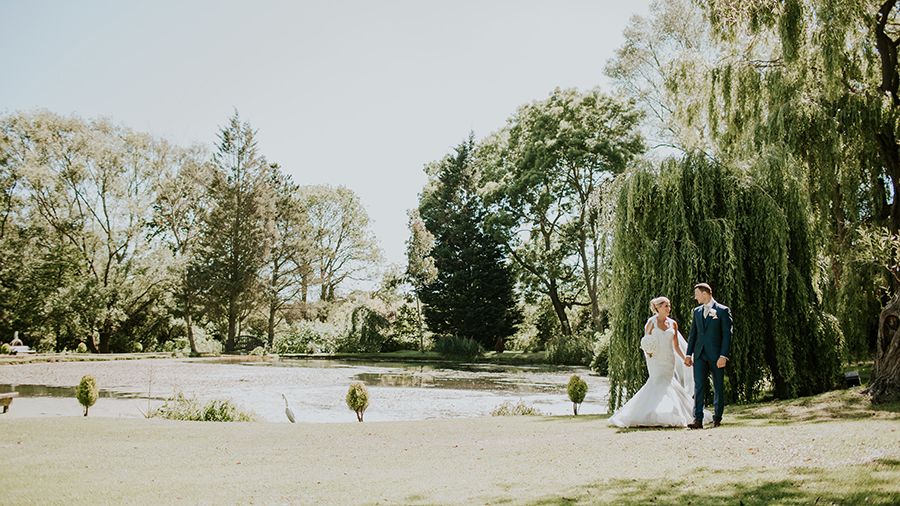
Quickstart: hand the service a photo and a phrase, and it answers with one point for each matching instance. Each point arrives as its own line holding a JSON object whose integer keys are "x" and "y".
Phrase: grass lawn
{"x": 830, "y": 449}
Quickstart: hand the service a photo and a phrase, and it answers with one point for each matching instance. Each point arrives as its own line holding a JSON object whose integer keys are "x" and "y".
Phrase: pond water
{"x": 315, "y": 389}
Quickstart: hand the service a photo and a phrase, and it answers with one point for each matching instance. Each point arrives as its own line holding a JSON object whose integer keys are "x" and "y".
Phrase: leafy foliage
{"x": 577, "y": 389}
{"x": 358, "y": 399}
{"x": 697, "y": 220}
{"x": 459, "y": 348}
{"x": 368, "y": 330}
{"x": 180, "y": 407}
{"x": 544, "y": 175}
{"x": 521, "y": 408}
{"x": 576, "y": 349}
{"x": 308, "y": 336}
{"x": 600, "y": 363}
{"x": 235, "y": 236}
{"x": 79, "y": 197}
{"x": 87, "y": 392}
{"x": 473, "y": 294}
{"x": 420, "y": 269}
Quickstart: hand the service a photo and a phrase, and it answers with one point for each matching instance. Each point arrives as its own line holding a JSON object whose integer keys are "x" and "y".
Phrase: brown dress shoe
{"x": 696, "y": 424}
{"x": 716, "y": 424}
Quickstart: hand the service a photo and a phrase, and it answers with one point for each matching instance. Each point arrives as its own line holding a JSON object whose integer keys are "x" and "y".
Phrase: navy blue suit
{"x": 710, "y": 338}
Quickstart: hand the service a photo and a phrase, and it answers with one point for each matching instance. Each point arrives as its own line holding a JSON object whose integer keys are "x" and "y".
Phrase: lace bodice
{"x": 658, "y": 344}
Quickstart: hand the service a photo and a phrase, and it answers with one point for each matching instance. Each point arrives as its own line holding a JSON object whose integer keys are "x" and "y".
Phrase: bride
{"x": 666, "y": 399}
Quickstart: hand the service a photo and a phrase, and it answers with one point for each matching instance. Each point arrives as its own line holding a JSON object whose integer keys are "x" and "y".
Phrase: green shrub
{"x": 577, "y": 390}
{"x": 87, "y": 392}
{"x": 179, "y": 407}
{"x": 358, "y": 399}
{"x": 600, "y": 363}
{"x": 368, "y": 331}
{"x": 82, "y": 348}
{"x": 5, "y": 349}
{"x": 259, "y": 351}
{"x": 546, "y": 323}
{"x": 137, "y": 348}
{"x": 576, "y": 349}
{"x": 307, "y": 336}
{"x": 226, "y": 410}
{"x": 510, "y": 409}
{"x": 460, "y": 348}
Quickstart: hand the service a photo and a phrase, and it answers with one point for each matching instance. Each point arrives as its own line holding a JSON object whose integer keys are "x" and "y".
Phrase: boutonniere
{"x": 712, "y": 312}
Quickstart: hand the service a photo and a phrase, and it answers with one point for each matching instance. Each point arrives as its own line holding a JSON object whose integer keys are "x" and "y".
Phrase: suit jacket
{"x": 711, "y": 336}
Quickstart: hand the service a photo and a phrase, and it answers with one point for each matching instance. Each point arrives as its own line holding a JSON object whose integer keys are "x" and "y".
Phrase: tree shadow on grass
{"x": 594, "y": 419}
{"x": 874, "y": 483}
{"x": 847, "y": 404}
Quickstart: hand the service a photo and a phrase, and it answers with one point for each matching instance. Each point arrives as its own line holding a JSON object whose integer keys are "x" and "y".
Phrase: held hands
{"x": 721, "y": 363}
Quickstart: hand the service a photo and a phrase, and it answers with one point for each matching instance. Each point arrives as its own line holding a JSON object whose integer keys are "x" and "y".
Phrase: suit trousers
{"x": 702, "y": 370}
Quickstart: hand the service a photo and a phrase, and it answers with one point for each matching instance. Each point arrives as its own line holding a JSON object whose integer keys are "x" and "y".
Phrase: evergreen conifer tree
{"x": 473, "y": 295}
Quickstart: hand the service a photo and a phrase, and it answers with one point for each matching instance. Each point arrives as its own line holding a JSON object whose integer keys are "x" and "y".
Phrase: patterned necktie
{"x": 705, "y": 311}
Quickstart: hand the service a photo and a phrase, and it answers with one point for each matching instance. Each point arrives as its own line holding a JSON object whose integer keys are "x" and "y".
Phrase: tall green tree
{"x": 473, "y": 294}
{"x": 91, "y": 183}
{"x": 663, "y": 66}
{"x": 420, "y": 269}
{"x": 291, "y": 240}
{"x": 179, "y": 207}
{"x": 748, "y": 236}
{"x": 236, "y": 229}
{"x": 343, "y": 246}
{"x": 545, "y": 174}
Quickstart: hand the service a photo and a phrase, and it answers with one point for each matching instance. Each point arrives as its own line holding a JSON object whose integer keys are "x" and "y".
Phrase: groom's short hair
{"x": 703, "y": 287}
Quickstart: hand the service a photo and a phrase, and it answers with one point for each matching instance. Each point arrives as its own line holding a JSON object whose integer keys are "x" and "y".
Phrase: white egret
{"x": 288, "y": 411}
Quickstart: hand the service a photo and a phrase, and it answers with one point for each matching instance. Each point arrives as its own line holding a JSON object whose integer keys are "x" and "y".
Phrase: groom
{"x": 710, "y": 342}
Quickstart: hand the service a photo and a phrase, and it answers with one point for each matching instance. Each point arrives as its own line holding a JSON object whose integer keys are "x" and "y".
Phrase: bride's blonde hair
{"x": 656, "y": 302}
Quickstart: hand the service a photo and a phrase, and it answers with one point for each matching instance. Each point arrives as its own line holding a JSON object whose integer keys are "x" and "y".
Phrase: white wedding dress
{"x": 667, "y": 398}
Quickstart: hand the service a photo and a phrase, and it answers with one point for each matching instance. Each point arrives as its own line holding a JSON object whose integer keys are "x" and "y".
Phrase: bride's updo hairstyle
{"x": 656, "y": 302}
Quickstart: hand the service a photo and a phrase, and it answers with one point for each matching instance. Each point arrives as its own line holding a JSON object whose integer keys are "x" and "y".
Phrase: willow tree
{"x": 826, "y": 90}
{"x": 696, "y": 220}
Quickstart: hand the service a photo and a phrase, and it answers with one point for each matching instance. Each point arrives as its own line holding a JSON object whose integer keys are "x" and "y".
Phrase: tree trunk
{"x": 104, "y": 335}
{"x": 190, "y": 331}
{"x": 419, "y": 322}
{"x": 884, "y": 385}
{"x": 91, "y": 344}
{"x": 560, "y": 309}
{"x": 232, "y": 327}
{"x": 590, "y": 283}
{"x": 304, "y": 297}
{"x": 188, "y": 319}
{"x": 271, "y": 324}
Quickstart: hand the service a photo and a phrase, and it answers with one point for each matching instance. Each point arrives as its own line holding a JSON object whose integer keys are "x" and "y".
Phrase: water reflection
{"x": 487, "y": 377}
{"x": 317, "y": 389}
{"x": 67, "y": 392}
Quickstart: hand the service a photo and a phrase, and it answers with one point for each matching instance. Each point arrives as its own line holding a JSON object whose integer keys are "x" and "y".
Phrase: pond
{"x": 315, "y": 389}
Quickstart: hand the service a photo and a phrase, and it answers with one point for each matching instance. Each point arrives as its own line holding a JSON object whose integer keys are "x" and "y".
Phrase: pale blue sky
{"x": 360, "y": 93}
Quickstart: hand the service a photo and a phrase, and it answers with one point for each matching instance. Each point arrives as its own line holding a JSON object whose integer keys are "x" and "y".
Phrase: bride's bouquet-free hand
{"x": 649, "y": 344}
